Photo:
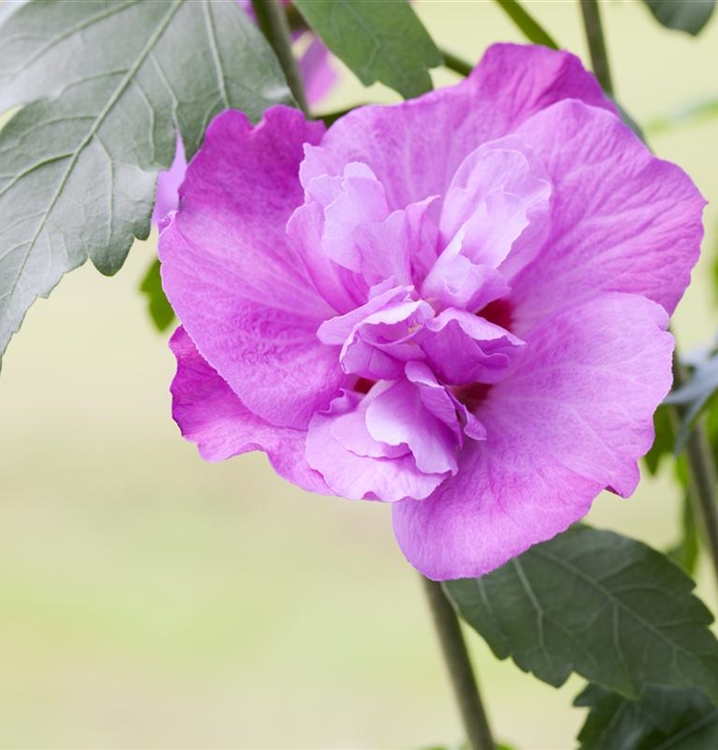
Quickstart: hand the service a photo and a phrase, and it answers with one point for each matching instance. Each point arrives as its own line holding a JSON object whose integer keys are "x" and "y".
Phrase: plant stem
{"x": 452, "y": 62}
{"x": 453, "y": 647}
{"x": 272, "y": 20}
{"x": 702, "y": 473}
{"x": 596, "y": 44}
{"x": 530, "y": 27}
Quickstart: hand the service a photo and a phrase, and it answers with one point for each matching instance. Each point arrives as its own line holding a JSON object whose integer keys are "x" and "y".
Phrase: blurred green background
{"x": 150, "y": 600}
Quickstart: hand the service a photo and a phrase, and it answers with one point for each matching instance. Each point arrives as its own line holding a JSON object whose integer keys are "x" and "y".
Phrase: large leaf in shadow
{"x": 106, "y": 85}
{"x": 661, "y": 719}
{"x": 605, "y": 606}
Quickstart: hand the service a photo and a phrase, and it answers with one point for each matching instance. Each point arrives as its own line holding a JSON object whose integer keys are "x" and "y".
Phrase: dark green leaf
{"x": 158, "y": 305}
{"x": 378, "y": 40}
{"x": 607, "y": 607}
{"x": 663, "y": 442}
{"x": 530, "y": 27}
{"x": 682, "y": 15}
{"x": 112, "y": 80}
{"x": 661, "y": 719}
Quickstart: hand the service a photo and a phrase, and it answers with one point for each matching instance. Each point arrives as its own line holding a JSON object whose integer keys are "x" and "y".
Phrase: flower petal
{"x": 622, "y": 220}
{"x": 397, "y": 415}
{"x": 370, "y": 476}
{"x": 209, "y": 413}
{"x": 494, "y": 195}
{"x": 168, "y": 185}
{"x": 234, "y": 280}
{"x": 415, "y": 147}
{"x": 574, "y": 417}
{"x": 464, "y": 348}
{"x": 317, "y": 72}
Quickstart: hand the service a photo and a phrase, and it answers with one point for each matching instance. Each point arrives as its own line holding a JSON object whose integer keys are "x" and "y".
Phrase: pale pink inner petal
{"x": 464, "y": 348}
{"x": 337, "y": 330}
{"x": 398, "y": 416}
{"x": 356, "y": 476}
{"x": 350, "y": 202}
{"x": 384, "y": 341}
{"x": 342, "y": 289}
{"x": 456, "y": 281}
{"x": 350, "y": 430}
{"x": 440, "y": 401}
{"x": 495, "y": 193}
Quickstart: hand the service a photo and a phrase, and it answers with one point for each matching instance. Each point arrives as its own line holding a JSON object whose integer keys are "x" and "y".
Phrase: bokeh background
{"x": 150, "y": 600}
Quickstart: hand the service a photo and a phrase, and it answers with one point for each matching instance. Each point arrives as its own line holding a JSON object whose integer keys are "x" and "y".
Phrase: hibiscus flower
{"x": 457, "y": 304}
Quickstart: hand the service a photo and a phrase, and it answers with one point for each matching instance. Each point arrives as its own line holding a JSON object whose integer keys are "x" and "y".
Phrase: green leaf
{"x": 379, "y": 41}
{"x": 663, "y": 442}
{"x": 682, "y": 15}
{"x": 607, "y": 607}
{"x": 158, "y": 305}
{"x": 530, "y": 27}
{"x": 109, "y": 83}
{"x": 661, "y": 719}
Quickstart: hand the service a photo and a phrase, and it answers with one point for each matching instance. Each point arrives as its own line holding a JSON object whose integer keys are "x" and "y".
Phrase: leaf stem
{"x": 452, "y": 62}
{"x": 456, "y": 656}
{"x": 272, "y": 20}
{"x": 596, "y": 44}
{"x": 702, "y": 473}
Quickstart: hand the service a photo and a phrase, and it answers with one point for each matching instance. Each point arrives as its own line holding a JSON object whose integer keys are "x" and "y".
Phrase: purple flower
{"x": 457, "y": 304}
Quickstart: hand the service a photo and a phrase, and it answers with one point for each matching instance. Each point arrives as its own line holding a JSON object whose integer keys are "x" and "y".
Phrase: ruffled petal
{"x": 209, "y": 414}
{"x": 232, "y": 276}
{"x": 442, "y": 403}
{"x": 464, "y": 348}
{"x": 622, "y": 220}
{"x": 494, "y": 195}
{"x": 415, "y": 147}
{"x": 397, "y": 415}
{"x": 573, "y": 418}
{"x": 378, "y": 473}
